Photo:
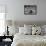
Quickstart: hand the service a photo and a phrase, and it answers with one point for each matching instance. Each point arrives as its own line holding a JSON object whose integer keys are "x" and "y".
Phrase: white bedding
{"x": 29, "y": 40}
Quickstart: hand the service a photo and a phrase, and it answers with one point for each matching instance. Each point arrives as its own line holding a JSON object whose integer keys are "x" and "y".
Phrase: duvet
{"x": 29, "y": 40}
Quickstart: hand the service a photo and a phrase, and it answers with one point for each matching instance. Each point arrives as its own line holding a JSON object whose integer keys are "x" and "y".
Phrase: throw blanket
{"x": 29, "y": 40}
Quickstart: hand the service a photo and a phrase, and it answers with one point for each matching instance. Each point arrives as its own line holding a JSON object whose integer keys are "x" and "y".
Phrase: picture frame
{"x": 30, "y": 9}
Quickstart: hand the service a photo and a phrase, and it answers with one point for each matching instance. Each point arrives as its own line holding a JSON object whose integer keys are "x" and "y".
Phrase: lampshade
{"x": 9, "y": 22}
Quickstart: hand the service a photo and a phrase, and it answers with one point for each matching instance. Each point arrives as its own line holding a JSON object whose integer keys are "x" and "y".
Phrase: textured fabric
{"x": 28, "y": 26}
{"x": 24, "y": 30}
{"x": 21, "y": 30}
{"x": 44, "y": 28}
{"x": 28, "y": 31}
{"x": 13, "y": 30}
{"x": 36, "y": 30}
{"x": 29, "y": 40}
{"x": 31, "y": 44}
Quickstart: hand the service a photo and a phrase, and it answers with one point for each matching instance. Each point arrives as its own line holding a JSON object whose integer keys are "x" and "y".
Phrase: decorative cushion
{"x": 13, "y": 30}
{"x": 28, "y": 26}
{"x": 44, "y": 29}
{"x": 36, "y": 30}
{"x": 23, "y": 30}
{"x": 44, "y": 26}
{"x": 28, "y": 31}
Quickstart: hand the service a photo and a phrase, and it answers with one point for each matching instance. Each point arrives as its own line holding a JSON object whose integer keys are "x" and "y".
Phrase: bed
{"x": 21, "y": 39}
{"x": 29, "y": 40}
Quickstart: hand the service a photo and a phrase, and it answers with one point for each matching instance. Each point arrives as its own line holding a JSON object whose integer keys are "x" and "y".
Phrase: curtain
{"x": 2, "y": 19}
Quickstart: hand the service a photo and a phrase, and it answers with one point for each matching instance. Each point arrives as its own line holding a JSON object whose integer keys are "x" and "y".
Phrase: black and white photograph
{"x": 30, "y": 9}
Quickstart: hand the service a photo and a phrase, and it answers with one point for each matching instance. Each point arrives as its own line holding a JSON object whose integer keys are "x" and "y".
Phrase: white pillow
{"x": 13, "y": 30}
{"x": 24, "y": 30}
{"x": 28, "y": 31}
{"x": 21, "y": 30}
{"x": 28, "y": 26}
{"x": 44, "y": 26}
{"x": 42, "y": 30}
{"x": 36, "y": 30}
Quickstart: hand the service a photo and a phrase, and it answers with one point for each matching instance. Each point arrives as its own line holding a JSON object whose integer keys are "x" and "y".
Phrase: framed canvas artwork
{"x": 30, "y": 9}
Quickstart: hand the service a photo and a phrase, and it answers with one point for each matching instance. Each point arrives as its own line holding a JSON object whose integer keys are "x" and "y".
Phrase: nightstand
{"x": 4, "y": 40}
{"x": 7, "y": 43}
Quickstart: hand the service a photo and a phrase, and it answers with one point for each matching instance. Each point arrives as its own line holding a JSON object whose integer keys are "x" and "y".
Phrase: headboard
{"x": 21, "y": 23}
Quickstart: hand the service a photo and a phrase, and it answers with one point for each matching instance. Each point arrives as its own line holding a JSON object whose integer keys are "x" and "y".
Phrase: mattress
{"x": 28, "y": 40}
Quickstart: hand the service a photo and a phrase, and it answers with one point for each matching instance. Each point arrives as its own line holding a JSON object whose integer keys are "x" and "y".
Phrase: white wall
{"x": 15, "y": 9}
